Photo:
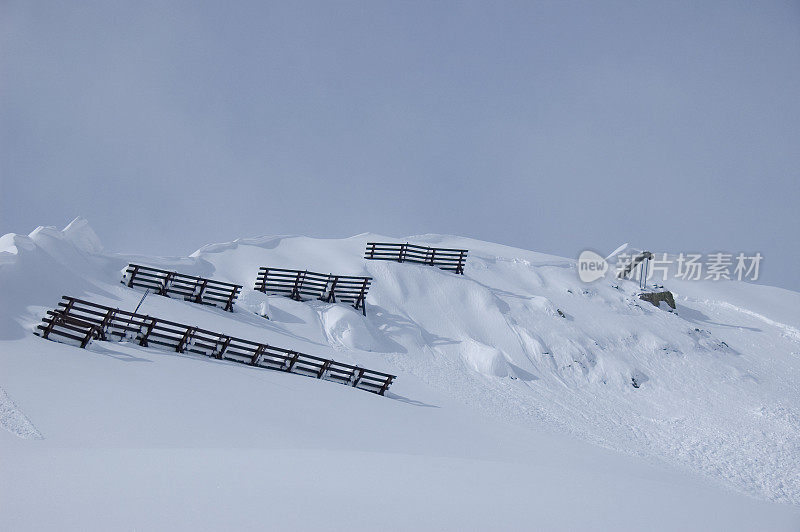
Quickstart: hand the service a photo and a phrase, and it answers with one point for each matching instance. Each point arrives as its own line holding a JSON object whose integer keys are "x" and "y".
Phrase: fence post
{"x": 402, "y": 256}
{"x": 88, "y": 337}
{"x": 133, "y": 274}
{"x": 69, "y": 305}
{"x": 104, "y": 324}
{"x": 219, "y": 354}
{"x": 357, "y": 374}
{"x": 229, "y": 303}
{"x": 362, "y": 298}
{"x": 298, "y": 284}
{"x": 198, "y": 297}
{"x": 386, "y": 385}
{"x": 292, "y": 361}
{"x": 460, "y": 267}
{"x": 332, "y": 292}
{"x": 162, "y": 291}
{"x": 324, "y": 368}
{"x": 257, "y": 355}
{"x": 143, "y": 339}
{"x": 49, "y": 327}
{"x": 53, "y": 319}
{"x": 185, "y": 339}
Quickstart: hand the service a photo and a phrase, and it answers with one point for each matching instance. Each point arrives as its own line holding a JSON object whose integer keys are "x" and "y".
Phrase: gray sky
{"x": 553, "y": 126}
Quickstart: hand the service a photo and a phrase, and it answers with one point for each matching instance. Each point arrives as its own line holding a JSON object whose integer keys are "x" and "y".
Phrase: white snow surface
{"x": 505, "y": 414}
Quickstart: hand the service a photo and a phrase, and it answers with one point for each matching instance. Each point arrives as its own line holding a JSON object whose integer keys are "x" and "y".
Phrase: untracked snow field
{"x": 513, "y": 409}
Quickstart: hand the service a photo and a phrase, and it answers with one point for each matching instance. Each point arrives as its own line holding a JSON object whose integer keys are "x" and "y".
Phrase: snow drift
{"x": 514, "y": 362}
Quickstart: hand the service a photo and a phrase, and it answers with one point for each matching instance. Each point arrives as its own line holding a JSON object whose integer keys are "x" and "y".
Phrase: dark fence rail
{"x": 182, "y": 286}
{"x": 78, "y": 322}
{"x": 303, "y": 284}
{"x": 443, "y": 258}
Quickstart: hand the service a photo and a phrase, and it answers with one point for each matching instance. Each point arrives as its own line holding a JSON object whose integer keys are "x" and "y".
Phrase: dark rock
{"x": 657, "y": 297}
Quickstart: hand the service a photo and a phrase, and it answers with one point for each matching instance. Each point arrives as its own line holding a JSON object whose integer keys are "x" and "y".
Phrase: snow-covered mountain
{"x": 514, "y": 406}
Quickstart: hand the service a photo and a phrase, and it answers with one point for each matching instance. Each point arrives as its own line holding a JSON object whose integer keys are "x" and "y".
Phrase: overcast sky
{"x": 553, "y": 126}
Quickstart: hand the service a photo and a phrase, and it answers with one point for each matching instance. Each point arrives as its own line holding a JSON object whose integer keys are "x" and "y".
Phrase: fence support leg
{"x": 162, "y": 291}
{"x": 229, "y": 304}
{"x": 143, "y": 340}
{"x": 362, "y": 299}
{"x": 324, "y": 368}
{"x": 298, "y": 284}
{"x": 385, "y": 386}
{"x": 257, "y": 355}
{"x": 332, "y": 292}
{"x": 187, "y": 336}
{"x": 292, "y": 361}
{"x": 87, "y": 338}
{"x": 49, "y": 327}
{"x": 106, "y": 322}
{"x": 198, "y": 297}
{"x": 221, "y": 353}
{"x": 133, "y": 274}
{"x": 460, "y": 267}
{"x": 357, "y": 374}
{"x": 263, "y": 286}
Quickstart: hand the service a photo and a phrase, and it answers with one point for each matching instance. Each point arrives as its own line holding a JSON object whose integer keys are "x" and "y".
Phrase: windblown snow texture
{"x": 15, "y": 421}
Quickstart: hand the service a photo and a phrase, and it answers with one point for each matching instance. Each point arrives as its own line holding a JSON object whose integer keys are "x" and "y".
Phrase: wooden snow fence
{"x": 443, "y": 258}
{"x": 182, "y": 286}
{"x": 303, "y": 284}
{"x": 78, "y": 322}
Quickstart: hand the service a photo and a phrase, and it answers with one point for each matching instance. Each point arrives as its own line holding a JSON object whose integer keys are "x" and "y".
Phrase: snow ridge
{"x": 711, "y": 389}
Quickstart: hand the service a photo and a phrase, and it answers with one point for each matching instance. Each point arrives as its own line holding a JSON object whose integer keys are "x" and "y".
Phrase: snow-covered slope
{"x": 513, "y": 400}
